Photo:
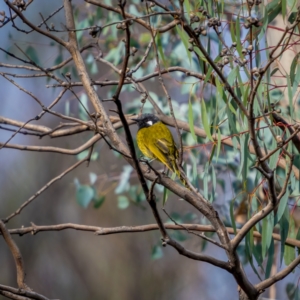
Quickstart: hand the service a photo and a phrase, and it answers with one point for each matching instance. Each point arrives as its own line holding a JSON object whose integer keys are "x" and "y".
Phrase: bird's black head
{"x": 146, "y": 120}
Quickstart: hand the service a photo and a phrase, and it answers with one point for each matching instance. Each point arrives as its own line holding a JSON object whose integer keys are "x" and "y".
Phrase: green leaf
{"x": 270, "y": 260}
{"x": 284, "y": 230}
{"x": 282, "y": 205}
{"x": 218, "y": 144}
{"x": 202, "y": 57}
{"x": 93, "y": 178}
{"x": 166, "y": 191}
{"x": 275, "y": 156}
{"x": 231, "y": 119}
{"x": 208, "y": 75}
{"x": 283, "y": 8}
{"x": 292, "y": 17}
{"x": 232, "y": 32}
{"x": 123, "y": 202}
{"x": 58, "y": 59}
{"x": 290, "y": 96}
{"x": 296, "y": 79}
{"x": 165, "y": 196}
{"x": 191, "y": 120}
{"x": 238, "y": 40}
{"x": 99, "y": 201}
{"x": 232, "y": 76}
{"x": 274, "y": 71}
{"x": 214, "y": 183}
{"x": 124, "y": 180}
{"x": 273, "y": 10}
{"x": 294, "y": 64}
{"x": 184, "y": 39}
{"x": 258, "y": 257}
{"x": 298, "y": 239}
{"x": 82, "y": 154}
{"x": 160, "y": 49}
{"x": 290, "y": 290}
{"x": 267, "y": 230}
{"x": 179, "y": 236}
{"x": 67, "y": 108}
{"x": 220, "y": 88}
{"x": 249, "y": 250}
{"x": 187, "y": 9}
{"x": 232, "y": 215}
{"x": 83, "y": 106}
{"x": 246, "y": 159}
{"x": 77, "y": 183}
{"x": 212, "y": 153}
{"x": 94, "y": 156}
{"x": 264, "y": 237}
{"x": 85, "y": 153}
{"x": 205, "y": 121}
{"x": 157, "y": 252}
{"x": 33, "y": 55}
{"x": 84, "y": 195}
{"x": 205, "y": 180}
{"x": 289, "y": 254}
{"x": 243, "y": 157}
{"x": 289, "y": 251}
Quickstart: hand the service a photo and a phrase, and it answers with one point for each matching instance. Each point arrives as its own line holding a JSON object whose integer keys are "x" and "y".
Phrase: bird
{"x": 156, "y": 141}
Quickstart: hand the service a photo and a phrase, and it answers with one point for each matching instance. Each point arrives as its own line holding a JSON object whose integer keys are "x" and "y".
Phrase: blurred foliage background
{"x": 80, "y": 265}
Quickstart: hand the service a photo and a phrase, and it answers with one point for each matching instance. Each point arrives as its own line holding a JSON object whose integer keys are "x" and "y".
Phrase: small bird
{"x": 155, "y": 141}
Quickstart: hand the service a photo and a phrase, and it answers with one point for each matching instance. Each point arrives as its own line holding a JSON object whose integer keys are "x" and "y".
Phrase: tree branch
{"x": 17, "y": 256}
{"x": 18, "y": 294}
{"x": 34, "y": 229}
{"x": 280, "y": 275}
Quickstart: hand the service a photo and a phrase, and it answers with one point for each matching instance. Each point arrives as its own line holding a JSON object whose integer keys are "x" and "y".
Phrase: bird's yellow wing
{"x": 165, "y": 152}
{"x": 164, "y": 145}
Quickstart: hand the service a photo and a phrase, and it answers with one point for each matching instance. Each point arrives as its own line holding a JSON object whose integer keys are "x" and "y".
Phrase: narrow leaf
{"x": 184, "y": 39}
{"x": 191, "y": 120}
{"x": 205, "y": 120}
{"x": 218, "y": 144}
{"x": 284, "y": 231}
{"x": 283, "y": 8}
{"x": 160, "y": 49}
{"x": 270, "y": 260}
{"x": 232, "y": 215}
{"x": 282, "y": 205}
{"x": 187, "y": 9}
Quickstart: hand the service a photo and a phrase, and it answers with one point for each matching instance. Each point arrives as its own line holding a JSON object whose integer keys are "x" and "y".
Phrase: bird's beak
{"x": 135, "y": 119}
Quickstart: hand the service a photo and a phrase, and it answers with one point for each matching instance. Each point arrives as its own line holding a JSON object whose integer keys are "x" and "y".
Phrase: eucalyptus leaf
{"x": 157, "y": 252}
{"x": 84, "y": 195}
{"x": 98, "y": 201}
{"x": 123, "y": 202}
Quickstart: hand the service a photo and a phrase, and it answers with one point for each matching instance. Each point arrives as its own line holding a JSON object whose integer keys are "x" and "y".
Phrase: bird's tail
{"x": 180, "y": 173}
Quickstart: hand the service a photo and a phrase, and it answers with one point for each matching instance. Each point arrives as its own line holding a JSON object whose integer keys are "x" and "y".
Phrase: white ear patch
{"x": 150, "y": 122}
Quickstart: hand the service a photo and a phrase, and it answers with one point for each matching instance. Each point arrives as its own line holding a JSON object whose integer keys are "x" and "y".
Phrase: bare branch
{"x": 17, "y": 256}
{"x": 250, "y": 223}
{"x": 32, "y": 26}
{"x": 280, "y": 275}
{"x": 18, "y": 294}
{"x": 198, "y": 256}
{"x": 34, "y": 229}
